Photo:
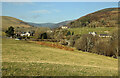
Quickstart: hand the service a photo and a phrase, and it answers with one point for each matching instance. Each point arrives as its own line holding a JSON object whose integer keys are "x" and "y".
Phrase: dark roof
{"x": 23, "y": 32}
{"x": 103, "y": 34}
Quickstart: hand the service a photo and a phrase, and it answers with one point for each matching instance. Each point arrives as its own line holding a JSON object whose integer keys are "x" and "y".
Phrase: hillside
{"x": 50, "y": 25}
{"x": 63, "y": 23}
{"x": 37, "y": 60}
{"x": 11, "y": 21}
{"x": 102, "y": 18}
{"x": 99, "y": 30}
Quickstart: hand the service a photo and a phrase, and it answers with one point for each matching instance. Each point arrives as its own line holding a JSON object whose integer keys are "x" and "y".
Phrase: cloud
{"x": 30, "y": 17}
{"x": 24, "y": 17}
{"x": 35, "y": 16}
{"x": 41, "y": 11}
{"x": 56, "y": 10}
{"x": 46, "y": 11}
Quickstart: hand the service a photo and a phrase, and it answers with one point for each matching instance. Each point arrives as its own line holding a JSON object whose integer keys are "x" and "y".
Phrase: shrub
{"x": 86, "y": 42}
{"x": 10, "y": 31}
{"x": 63, "y": 42}
{"x": 61, "y": 34}
{"x": 73, "y": 39}
{"x": 71, "y": 43}
{"x": 101, "y": 47}
{"x": 40, "y": 33}
{"x": 50, "y": 35}
{"x": 43, "y": 36}
{"x": 68, "y": 33}
{"x": 115, "y": 47}
{"x": 106, "y": 47}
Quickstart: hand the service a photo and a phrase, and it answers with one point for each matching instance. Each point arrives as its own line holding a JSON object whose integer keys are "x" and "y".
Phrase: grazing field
{"x": 99, "y": 30}
{"x": 22, "y": 58}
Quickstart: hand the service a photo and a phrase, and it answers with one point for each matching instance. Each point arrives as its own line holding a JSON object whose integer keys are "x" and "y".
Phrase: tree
{"x": 43, "y": 36}
{"x": 39, "y": 32}
{"x": 68, "y": 33}
{"x": 72, "y": 33}
{"x": 10, "y": 31}
{"x": 86, "y": 42}
{"x": 72, "y": 40}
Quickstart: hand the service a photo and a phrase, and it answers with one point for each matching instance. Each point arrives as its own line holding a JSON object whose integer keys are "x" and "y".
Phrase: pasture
{"x": 99, "y": 30}
{"x": 23, "y": 58}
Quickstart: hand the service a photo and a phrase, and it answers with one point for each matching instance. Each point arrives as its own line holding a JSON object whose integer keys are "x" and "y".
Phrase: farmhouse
{"x": 64, "y": 27}
{"x": 17, "y": 34}
{"x": 93, "y": 33}
{"x": 25, "y": 34}
{"x": 49, "y": 31}
{"x": 104, "y": 35}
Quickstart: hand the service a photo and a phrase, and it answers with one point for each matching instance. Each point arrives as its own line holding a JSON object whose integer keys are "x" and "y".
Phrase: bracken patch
{"x": 55, "y": 45}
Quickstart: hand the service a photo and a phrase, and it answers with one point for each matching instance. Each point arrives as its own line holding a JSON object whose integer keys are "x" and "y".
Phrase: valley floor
{"x": 22, "y": 58}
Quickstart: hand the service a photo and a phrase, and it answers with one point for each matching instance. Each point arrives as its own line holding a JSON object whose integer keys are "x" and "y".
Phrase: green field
{"x": 99, "y": 30}
{"x": 22, "y": 58}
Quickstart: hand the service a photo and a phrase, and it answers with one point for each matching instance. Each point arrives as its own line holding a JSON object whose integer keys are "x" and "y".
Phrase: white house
{"x": 64, "y": 27}
{"x": 49, "y": 31}
{"x": 104, "y": 35}
{"x": 93, "y": 33}
{"x": 25, "y": 34}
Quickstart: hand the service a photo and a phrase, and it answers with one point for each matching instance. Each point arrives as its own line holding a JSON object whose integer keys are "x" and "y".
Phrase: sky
{"x": 52, "y": 12}
{"x": 59, "y": 0}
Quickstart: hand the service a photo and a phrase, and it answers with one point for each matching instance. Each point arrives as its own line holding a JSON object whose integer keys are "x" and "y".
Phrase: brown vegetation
{"x": 55, "y": 45}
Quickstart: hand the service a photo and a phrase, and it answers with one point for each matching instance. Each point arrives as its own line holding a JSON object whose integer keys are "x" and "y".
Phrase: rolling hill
{"x": 11, "y": 21}
{"x": 102, "y": 18}
{"x": 42, "y": 24}
{"x": 50, "y": 25}
{"x": 20, "y": 25}
{"x": 63, "y": 23}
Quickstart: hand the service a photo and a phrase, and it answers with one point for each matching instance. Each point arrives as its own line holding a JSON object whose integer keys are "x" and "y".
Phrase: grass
{"x": 99, "y": 30}
{"x": 21, "y": 58}
{"x": 11, "y": 21}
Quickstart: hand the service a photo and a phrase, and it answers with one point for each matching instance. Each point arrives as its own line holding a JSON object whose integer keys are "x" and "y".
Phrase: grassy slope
{"x": 28, "y": 59}
{"x": 11, "y": 21}
{"x": 99, "y": 30}
{"x": 103, "y": 18}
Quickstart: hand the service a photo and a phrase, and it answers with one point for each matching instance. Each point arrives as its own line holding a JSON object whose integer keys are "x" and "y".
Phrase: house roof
{"x": 93, "y": 32}
{"x": 103, "y": 34}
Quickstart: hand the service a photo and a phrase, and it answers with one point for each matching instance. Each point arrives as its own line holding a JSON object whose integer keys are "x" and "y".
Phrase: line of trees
{"x": 95, "y": 44}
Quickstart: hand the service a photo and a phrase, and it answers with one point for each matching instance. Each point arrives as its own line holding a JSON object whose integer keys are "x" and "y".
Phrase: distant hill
{"x": 50, "y": 25}
{"x": 11, "y": 21}
{"x": 102, "y": 18}
{"x": 8, "y": 21}
{"x": 63, "y": 23}
{"x": 42, "y": 24}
